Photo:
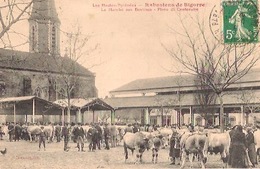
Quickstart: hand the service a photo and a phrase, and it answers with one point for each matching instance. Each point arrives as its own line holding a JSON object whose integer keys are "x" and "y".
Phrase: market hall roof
{"x": 179, "y": 82}
{"x": 232, "y": 99}
{"x": 40, "y": 62}
{"x": 85, "y": 104}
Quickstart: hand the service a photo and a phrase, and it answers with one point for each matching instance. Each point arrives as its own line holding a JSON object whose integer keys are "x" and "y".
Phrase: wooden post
{"x": 14, "y": 113}
{"x": 147, "y": 116}
{"x": 62, "y": 116}
{"x": 33, "y": 111}
{"x": 112, "y": 116}
{"x": 242, "y": 115}
{"x": 93, "y": 120}
{"x": 78, "y": 116}
{"x": 191, "y": 116}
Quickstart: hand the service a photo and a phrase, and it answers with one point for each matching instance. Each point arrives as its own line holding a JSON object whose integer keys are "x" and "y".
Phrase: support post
{"x": 147, "y": 116}
{"x": 162, "y": 117}
{"x": 62, "y": 116}
{"x": 14, "y": 113}
{"x": 113, "y": 116}
{"x": 78, "y": 116}
{"x": 191, "y": 116}
{"x": 93, "y": 120}
{"x": 33, "y": 111}
{"x": 242, "y": 115}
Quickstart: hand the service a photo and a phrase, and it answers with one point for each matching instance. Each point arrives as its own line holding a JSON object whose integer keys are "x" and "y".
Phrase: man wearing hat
{"x": 42, "y": 138}
{"x": 65, "y": 132}
{"x": 79, "y": 134}
{"x": 106, "y": 136}
{"x": 250, "y": 145}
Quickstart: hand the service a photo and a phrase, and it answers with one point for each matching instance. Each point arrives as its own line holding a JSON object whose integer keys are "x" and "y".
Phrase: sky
{"x": 130, "y": 42}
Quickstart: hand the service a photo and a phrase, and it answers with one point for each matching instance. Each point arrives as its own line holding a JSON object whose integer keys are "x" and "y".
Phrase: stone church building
{"x": 42, "y": 71}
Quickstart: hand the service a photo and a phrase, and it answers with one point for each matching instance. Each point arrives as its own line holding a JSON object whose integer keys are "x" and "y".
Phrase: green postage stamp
{"x": 240, "y": 21}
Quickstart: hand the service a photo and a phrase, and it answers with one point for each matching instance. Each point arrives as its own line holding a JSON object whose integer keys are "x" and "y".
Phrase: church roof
{"x": 44, "y": 10}
{"x": 39, "y": 62}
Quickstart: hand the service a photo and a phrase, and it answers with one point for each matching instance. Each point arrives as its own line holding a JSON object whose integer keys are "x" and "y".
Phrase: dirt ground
{"x": 25, "y": 155}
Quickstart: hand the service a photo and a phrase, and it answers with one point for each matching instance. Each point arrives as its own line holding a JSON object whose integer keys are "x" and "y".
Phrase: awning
{"x": 93, "y": 104}
{"x": 27, "y": 105}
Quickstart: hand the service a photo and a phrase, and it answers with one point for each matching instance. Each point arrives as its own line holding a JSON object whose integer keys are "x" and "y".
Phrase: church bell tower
{"x": 44, "y": 31}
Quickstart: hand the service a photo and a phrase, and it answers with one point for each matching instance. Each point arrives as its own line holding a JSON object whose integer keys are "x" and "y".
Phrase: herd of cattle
{"x": 199, "y": 143}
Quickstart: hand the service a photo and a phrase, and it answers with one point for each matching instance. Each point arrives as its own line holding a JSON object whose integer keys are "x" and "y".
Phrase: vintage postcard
{"x": 129, "y": 84}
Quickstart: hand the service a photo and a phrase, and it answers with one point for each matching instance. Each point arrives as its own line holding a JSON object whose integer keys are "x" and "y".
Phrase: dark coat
{"x": 65, "y": 131}
{"x": 238, "y": 153}
{"x": 78, "y": 131}
{"x": 174, "y": 146}
{"x": 250, "y": 145}
{"x": 106, "y": 133}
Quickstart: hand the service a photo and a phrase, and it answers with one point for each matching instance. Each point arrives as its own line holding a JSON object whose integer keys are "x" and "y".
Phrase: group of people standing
{"x": 242, "y": 148}
{"x": 242, "y": 152}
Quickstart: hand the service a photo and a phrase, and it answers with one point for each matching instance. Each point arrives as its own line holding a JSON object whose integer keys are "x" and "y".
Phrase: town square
{"x": 113, "y": 84}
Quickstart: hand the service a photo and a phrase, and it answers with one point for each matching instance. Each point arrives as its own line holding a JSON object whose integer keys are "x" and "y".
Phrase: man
{"x": 58, "y": 132}
{"x": 11, "y": 131}
{"x": 65, "y": 134}
{"x": 17, "y": 132}
{"x": 42, "y": 138}
{"x": 174, "y": 146}
{"x": 98, "y": 136}
{"x": 106, "y": 136}
{"x": 92, "y": 135}
{"x": 79, "y": 134}
{"x": 250, "y": 145}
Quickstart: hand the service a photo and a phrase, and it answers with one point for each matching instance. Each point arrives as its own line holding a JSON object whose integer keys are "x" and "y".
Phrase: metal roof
{"x": 179, "y": 82}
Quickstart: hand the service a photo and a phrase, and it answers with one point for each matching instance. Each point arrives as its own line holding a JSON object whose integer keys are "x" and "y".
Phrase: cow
{"x": 113, "y": 135}
{"x": 157, "y": 143}
{"x": 166, "y": 133}
{"x": 49, "y": 129}
{"x": 136, "y": 141}
{"x": 194, "y": 143}
{"x": 220, "y": 143}
{"x": 35, "y": 130}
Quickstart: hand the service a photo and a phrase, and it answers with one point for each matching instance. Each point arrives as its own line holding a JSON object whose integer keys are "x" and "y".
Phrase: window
{"x": 199, "y": 121}
{"x": 33, "y": 38}
{"x": 53, "y": 38}
{"x": 52, "y": 90}
{"x": 2, "y": 88}
{"x": 38, "y": 92}
{"x": 232, "y": 121}
{"x": 27, "y": 86}
{"x": 61, "y": 94}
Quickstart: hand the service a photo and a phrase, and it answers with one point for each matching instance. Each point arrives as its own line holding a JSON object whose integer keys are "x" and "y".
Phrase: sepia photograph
{"x": 129, "y": 84}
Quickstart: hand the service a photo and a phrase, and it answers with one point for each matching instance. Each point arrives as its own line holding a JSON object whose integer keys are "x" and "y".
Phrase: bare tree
{"x": 69, "y": 79}
{"x": 164, "y": 106}
{"x": 12, "y": 12}
{"x": 250, "y": 100}
{"x": 225, "y": 63}
{"x": 205, "y": 97}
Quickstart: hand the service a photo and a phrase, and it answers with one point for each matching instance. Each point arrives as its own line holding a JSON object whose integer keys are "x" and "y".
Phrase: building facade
{"x": 42, "y": 71}
{"x": 173, "y": 100}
